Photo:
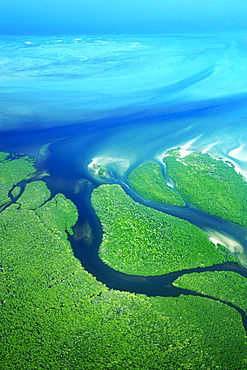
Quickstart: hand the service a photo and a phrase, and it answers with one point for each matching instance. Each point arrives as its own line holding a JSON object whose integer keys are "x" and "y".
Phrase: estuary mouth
{"x": 127, "y": 247}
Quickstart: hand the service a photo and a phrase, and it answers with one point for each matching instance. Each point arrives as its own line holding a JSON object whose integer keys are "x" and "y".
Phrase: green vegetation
{"x": 3, "y": 156}
{"x": 210, "y": 184}
{"x": 101, "y": 172}
{"x": 198, "y": 322}
{"x": 12, "y": 172}
{"x": 225, "y": 285}
{"x": 147, "y": 180}
{"x": 16, "y": 191}
{"x": 59, "y": 214}
{"x": 142, "y": 241}
{"x": 55, "y": 315}
{"x": 34, "y": 195}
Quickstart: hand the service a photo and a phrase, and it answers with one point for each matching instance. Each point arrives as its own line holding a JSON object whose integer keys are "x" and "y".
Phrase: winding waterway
{"x": 87, "y": 252}
{"x": 64, "y": 176}
{"x": 130, "y": 100}
{"x": 64, "y": 153}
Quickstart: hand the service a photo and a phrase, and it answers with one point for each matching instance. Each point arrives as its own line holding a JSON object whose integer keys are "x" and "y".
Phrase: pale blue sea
{"x": 169, "y": 88}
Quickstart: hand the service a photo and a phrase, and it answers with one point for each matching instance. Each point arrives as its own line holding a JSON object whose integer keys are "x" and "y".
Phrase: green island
{"x": 97, "y": 169}
{"x": 142, "y": 241}
{"x": 147, "y": 180}
{"x": 15, "y": 191}
{"x": 55, "y": 315}
{"x": 224, "y": 191}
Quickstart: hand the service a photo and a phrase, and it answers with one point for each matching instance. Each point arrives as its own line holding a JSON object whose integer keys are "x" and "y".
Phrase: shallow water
{"x": 120, "y": 101}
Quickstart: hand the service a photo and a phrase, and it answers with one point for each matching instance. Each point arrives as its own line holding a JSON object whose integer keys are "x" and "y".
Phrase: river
{"x": 122, "y": 101}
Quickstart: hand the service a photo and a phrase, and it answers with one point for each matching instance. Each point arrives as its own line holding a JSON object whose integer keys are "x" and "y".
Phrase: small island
{"x": 98, "y": 170}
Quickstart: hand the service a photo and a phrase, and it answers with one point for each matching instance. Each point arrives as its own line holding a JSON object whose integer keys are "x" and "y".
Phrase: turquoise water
{"x": 59, "y": 17}
{"x": 173, "y": 88}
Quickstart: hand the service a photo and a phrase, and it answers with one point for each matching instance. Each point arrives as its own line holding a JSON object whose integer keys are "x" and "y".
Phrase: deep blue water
{"x": 119, "y": 101}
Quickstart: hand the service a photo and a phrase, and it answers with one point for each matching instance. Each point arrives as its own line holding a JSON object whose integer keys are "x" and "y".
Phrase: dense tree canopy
{"x": 55, "y": 315}
{"x": 142, "y": 241}
{"x": 210, "y": 184}
{"x": 147, "y": 180}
